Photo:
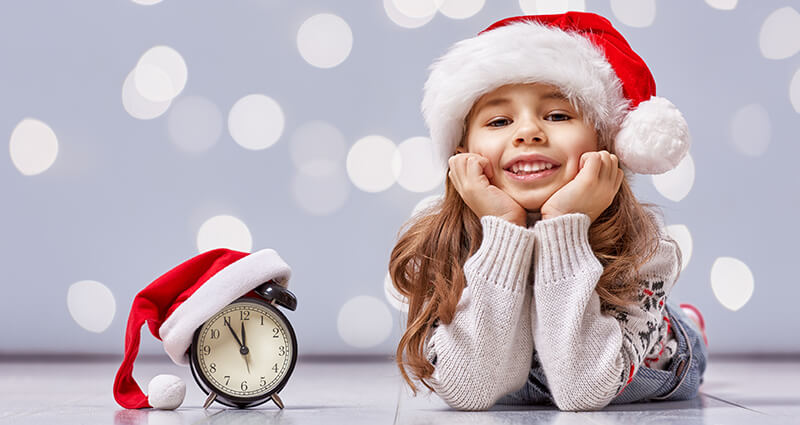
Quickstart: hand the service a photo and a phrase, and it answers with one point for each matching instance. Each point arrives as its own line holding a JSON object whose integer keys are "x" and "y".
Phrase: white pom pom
{"x": 166, "y": 392}
{"x": 654, "y": 137}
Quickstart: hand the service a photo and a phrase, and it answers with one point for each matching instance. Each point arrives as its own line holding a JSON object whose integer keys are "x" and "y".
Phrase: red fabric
{"x": 637, "y": 81}
{"x": 154, "y": 304}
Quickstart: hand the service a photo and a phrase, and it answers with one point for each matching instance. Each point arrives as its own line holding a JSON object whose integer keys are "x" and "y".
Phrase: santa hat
{"x": 581, "y": 54}
{"x": 179, "y": 302}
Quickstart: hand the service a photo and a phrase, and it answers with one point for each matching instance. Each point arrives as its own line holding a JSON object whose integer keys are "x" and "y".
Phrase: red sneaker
{"x": 695, "y": 315}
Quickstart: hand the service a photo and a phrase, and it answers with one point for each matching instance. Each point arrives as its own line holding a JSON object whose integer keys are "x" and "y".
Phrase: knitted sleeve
{"x": 590, "y": 352}
{"x": 485, "y": 351}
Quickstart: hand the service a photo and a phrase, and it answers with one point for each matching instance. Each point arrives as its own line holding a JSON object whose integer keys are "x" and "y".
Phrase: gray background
{"x": 122, "y": 204}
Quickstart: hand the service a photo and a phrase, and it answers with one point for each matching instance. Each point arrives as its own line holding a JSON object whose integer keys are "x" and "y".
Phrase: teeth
{"x": 530, "y": 167}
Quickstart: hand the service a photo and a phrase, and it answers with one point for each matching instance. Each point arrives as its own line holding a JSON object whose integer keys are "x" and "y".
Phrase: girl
{"x": 540, "y": 278}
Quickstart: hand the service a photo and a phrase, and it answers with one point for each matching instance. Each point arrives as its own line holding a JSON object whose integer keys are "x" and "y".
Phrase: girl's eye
{"x": 557, "y": 117}
{"x": 500, "y": 122}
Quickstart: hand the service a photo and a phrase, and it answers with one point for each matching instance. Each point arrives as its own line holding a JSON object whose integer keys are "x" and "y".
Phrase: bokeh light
{"x": 324, "y": 40}
{"x": 751, "y": 130}
{"x": 403, "y": 20}
{"x": 393, "y": 297}
{"x": 459, "y": 9}
{"x": 161, "y": 74}
{"x": 364, "y": 322}
{"x": 722, "y": 4}
{"x": 370, "y": 163}
{"x": 318, "y": 148}
{"x": 136, "y": 105}
{"x": 794, "y": 91}
{"x": 224, "y": 231}
{"x": 732, "y": 282}
{"x": 547, "y": 7}
{"x": 426, "y": 204}
{"x": 194, "y": 123}
{"x": 91, "y": 304}
{"x": 256, "y": 122}
{"x": 634, "y": 13}
{"x": 33, "y": 147}
{"x": 683, "y": 237}
{"x": 677, "y": 183}
{"x": 415, "y": 8}
{"x": 320, "y": 194}
{"x": 415, "y": 167}
{"x": 780, "y": 34}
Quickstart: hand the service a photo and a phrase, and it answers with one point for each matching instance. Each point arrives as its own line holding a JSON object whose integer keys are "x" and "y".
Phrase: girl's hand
{"x": 470, "y": 174}
{"x": 591, "y": 191}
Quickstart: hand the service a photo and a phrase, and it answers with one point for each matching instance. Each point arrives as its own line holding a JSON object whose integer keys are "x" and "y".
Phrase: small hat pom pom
{"x": 654, "y": 137}
{"x": 166, "y": 392}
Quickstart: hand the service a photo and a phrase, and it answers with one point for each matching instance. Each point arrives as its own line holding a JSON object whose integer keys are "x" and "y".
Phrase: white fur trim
{"x": 220, "y": 290}
{"x": 654, "y": 137}
{"x": 523, "y": 52}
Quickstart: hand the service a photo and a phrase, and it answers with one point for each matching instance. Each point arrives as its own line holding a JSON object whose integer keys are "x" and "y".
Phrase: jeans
{"x": 680, "y": 381}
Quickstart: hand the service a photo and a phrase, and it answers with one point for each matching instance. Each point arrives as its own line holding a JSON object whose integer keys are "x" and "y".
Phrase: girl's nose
{"x": 528, "y": 131}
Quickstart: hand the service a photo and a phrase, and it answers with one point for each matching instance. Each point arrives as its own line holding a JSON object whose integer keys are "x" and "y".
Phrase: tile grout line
{"x": 734, "y": 404}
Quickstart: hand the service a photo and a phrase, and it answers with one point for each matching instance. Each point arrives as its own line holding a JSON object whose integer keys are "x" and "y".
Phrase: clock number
{"x": 244, "y": 385}
{"x": 275, "y": 332}
{"x": 263, "y": 381}
{"x": 206, "y": 349}
{"x": 212, "y": 367}
{"x": 275, "y": 368}
{"x": 227, "y": 379}
{"x": 227, "y": 320}
{"x": 262, "y": 320}
{"x": 214, "y": 333}
{"x": 282, "y": 350}
{"x": 244, "y": 315}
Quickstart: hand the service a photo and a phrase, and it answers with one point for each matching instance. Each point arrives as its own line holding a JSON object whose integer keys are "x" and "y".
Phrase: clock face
{"x": 246, "y": 351}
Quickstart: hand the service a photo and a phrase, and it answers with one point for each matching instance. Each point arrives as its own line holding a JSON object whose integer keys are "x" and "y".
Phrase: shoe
{"x": 695, "y": 315}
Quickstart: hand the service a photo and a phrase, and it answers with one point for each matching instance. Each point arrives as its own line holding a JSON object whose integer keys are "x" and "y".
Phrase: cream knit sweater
{"x": 588, "y": 351}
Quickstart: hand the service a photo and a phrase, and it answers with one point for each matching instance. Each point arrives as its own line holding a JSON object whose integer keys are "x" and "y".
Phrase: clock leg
{"x": 277, "y": 400}
{"x": 210, "y": 399}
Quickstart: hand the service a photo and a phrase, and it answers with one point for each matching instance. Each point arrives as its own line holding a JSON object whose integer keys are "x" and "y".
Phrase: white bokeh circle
{"x": 751, "y": 130}
{"x": 161, "y": 74}
{"x": 722, "y": 4}
{"x": 415, "y": 166}
{"x": 427, "y": 203}
{"x": 677, "y": 183}
{"x": 634, "y": 13}
{"x": 194, "y": 123}
{"x": 683, "y": 237}
{"x": 547, "y": 7}
{"x": 418, "y": 9}
{"x": 403, "y": 20}
{"x": 224, "y": 231}
{"x": 393, "y": 297}
{"x": 370, "y": 163}
{"x": 256, "y": 122}
{"x": 33, "y": 147}
{"x": 324, "y": 40}
{"x": 320, "y": 194}
{"x": 794, "y": 91}
{"x": 364, "y": 322}
{"x": 317, "y": 148}
{"x": 732, "y": 282}
{"x": 780, "y": 34}
{"x": 146, "y": 2}
{"x": 459, "y": 9}
{"x": 91, "y": 304}
{"x": 136, "y": 105}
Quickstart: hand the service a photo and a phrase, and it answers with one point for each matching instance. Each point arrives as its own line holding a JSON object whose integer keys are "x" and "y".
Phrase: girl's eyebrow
{"x": 555, "y": 95}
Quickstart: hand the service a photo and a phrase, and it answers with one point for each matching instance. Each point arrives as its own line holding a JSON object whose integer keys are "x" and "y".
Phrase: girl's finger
{"x": 591, "y": 165}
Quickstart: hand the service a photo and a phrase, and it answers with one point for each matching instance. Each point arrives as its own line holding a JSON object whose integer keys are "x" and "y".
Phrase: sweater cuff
{"x": 505, "y": 255}
{"x": 562, "y": 248}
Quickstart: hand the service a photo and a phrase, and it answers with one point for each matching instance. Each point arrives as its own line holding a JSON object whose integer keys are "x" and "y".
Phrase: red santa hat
{"x": 583, "y": 55}
{"x": 180, "y": 301}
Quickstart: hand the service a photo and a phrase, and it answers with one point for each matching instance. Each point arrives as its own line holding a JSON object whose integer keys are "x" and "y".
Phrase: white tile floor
{"x": 70, "y": 392}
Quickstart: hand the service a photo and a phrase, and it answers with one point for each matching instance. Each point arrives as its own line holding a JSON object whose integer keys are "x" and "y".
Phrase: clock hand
{"x": 235, "y": 337}
{"x": 244, "y": 337}
{"x": 244, "y": 350}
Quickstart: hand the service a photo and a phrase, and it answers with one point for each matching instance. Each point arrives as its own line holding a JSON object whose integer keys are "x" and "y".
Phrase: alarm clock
{"x": 244, "y": 355}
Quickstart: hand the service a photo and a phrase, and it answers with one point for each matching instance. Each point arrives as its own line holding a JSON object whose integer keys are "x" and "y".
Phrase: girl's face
{"x": 533, "y": 139}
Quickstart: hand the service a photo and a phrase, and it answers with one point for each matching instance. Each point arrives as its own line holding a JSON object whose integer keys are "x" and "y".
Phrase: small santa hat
{"x": 583, "y": 55}
{"x": 180, "y": 301}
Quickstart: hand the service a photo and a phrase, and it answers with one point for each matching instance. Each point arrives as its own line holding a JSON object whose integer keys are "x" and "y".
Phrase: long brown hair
{"x": 426, "y": 263}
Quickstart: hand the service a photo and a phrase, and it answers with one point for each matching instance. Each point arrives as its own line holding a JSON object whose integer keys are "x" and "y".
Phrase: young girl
{"x": 540, "y": 278}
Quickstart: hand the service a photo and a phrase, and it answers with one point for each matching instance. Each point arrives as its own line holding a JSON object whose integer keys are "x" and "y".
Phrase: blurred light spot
{"x": 146, "y": 2}
{"x": 426, "y": 204}
{"x": 194, "y": 123}
{"x": 370, "y": 163}
{"x": 415, "y": 167}
{"x": 33, "y": 147}
{"x": 256, "y": 122}
{"x": 676, "y": 184}
{"x": 324, "y": 40}
{"x": 160, "y": 75}
{"x": 722, "y": 4}
{"x": 635, "y": 13}
{"x": 750, "y": 130}
{"x": 416, "y": 8}
{"x": 403, "y": 20}
{"x": 136, "y": 105}
{"x": 780, "y": 34}
{"x": 681, "y": 234}
{"x": 397, "y": 301}
{"x": 364, "y": 322}
{"x": 548, "y": 7}
{"x": 317, "y": 148}
{"x": 320, "y": 194}
{"x": 91, "y": 304}
{"x": 732, "y": 282}
{"x": 459, "y": 9}
{"x": 794, "y": 91}
{"x": 224, "y": 231}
